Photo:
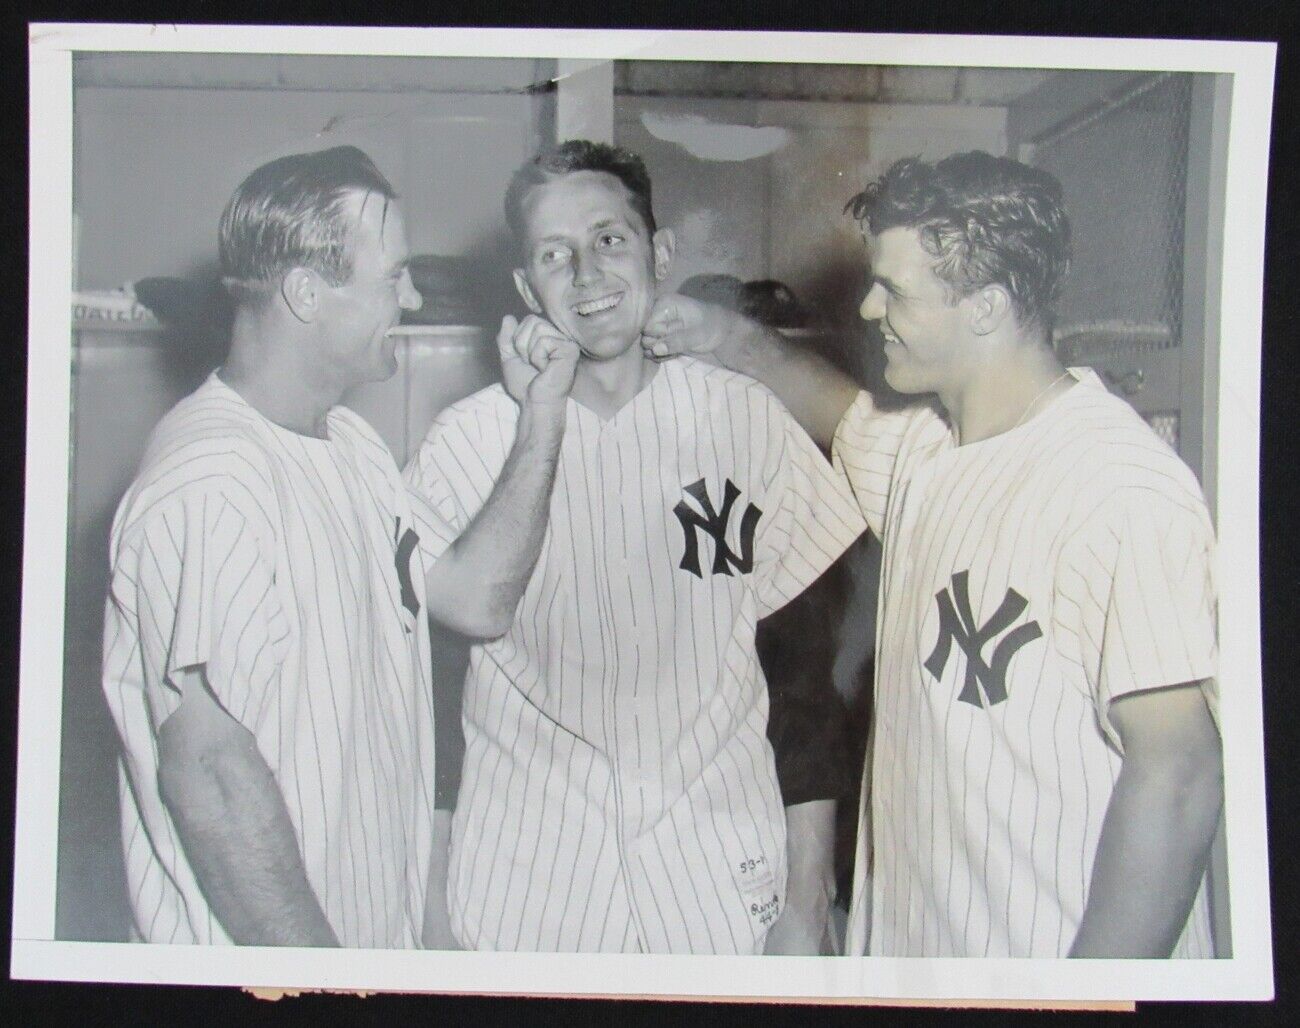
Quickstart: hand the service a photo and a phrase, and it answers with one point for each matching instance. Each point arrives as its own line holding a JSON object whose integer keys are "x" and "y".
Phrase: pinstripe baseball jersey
{"x": 618, "y": 791}
{"x": 1029, "y": 579}
{"x": 291, "y": 570}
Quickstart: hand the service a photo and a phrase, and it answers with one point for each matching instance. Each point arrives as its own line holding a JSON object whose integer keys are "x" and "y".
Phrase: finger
{"x": 538, "y": 339}
{"x": 525, "y": 341}
{"x": 506, "y": 336}
{"x": 531, "y": 342}
{"x": 562, "y": 357}
{"x": 664, "y": 319}
{"x": 551, "y": 349}
{"x": 556, "y": 348}
{"x": 523, "y": 336}
{"x": 661, "y": 348}
{"x": 566, "y": 352}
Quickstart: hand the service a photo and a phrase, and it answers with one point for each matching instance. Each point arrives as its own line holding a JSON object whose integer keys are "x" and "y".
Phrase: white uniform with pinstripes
{"x": 619, "y": 792}
{"x": 986, "y": 815}
{"x": 269, "y": 559}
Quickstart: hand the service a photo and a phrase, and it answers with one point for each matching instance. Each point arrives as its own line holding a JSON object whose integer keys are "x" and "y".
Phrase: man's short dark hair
{"x": 579, "y": 155}
{"x": 986, "y": 220}
{"x": 293, "y": 213}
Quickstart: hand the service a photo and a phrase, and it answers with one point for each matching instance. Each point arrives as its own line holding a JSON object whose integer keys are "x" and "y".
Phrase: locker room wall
{"x": 1125, "y": 164}
{"x": 161, "y": 140}
{"x": 780, "y": 215}
{"x": 1141, "y": 306}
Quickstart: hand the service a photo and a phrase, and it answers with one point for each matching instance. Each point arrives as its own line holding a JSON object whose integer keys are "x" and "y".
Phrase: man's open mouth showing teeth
{"x": 589, "y": 307}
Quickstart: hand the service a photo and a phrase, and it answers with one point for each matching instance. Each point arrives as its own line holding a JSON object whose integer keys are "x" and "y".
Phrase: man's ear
{"x": 990, "y": 307}
{"x": 526, "y": 291}
{"x": 664, "y": 244}
{"x": 300, "y": 289}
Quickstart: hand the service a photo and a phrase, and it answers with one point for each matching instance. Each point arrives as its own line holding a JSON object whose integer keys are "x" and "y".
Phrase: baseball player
{"x": 266, "y": 648}
{"x": 618, "y": 791}
{"x": 1046, "y": 772}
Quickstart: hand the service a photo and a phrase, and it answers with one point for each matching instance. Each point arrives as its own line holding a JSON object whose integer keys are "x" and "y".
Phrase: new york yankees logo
{"x": 957, "y": 624}
{"x": 715, "y": 524}
{"x": 406, "y": 543}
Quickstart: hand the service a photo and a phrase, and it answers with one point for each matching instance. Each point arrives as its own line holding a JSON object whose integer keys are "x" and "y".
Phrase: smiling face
{"x": 356, "y": 317}
{"x": 927, "y": 339}
{"x": 591, "y": 267}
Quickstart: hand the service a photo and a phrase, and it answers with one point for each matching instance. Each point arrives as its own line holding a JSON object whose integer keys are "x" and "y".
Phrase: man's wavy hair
{"x": 579, "y": 155}
{"x": 293, "y": 213}
{"x": 986, "y": 221}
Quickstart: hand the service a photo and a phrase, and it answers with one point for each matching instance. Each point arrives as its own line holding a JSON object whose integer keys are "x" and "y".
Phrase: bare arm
{"x": 1158, "y": 827}
{"x": 234, "y": 826}
{"x": 475, "y": 586}
{"x": 813, "y": 390}
{"x": 810, "y": 883}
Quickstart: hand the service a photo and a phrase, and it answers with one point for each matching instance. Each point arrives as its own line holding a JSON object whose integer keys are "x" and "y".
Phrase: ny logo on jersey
{"x": 406, "y": 543}
{"x": 957, "y": 624}
{"x": 715, "y": 523}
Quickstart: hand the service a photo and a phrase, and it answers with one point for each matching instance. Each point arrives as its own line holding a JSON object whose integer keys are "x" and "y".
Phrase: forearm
{"x": 1151, "y": 859}
{"x": 810, "y": 879}
{"x": 814, "y": 391}
{"x": 475, "y": 586}
{"x": 237, "y": 835}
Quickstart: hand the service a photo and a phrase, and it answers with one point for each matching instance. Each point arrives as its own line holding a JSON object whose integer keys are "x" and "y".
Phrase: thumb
{"x": 506, "y": 335}
{"x": 506, "y": 345}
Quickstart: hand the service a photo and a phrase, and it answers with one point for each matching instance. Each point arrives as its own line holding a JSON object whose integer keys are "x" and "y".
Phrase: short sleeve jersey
{"x": 1029, "y": 580}
{"x": 618, "y": 791}
{"x": 290, "y": 570}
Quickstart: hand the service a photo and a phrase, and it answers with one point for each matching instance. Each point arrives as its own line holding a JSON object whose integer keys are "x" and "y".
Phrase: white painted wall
{"x": 780, "y": 215}
{"x": 155, "y": 166}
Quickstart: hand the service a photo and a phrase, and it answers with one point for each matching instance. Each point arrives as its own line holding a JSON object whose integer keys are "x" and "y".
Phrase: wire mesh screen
{"x": 1123, "y": 166}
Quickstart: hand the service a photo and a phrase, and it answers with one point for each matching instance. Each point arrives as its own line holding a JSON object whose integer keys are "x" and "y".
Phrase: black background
{"x": 1277, "y": 20}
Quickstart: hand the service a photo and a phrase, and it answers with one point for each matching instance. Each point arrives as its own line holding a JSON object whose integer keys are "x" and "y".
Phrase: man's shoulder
{"x": 1107, "y": 436}
{"x": 210, "y": 443}
{"x": 726, "y": 392}
{"x": 491, "y": 403}
{"x": 212, "y": 427}
{"x": 368, "y": 449}
{"x": 481, "y": 424}
{"x": 1117, "y": 458}
{"x": 695, "y": 370}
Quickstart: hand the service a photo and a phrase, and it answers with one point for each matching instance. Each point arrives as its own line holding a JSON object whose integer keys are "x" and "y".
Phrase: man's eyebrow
{"x": 888, "y": 283}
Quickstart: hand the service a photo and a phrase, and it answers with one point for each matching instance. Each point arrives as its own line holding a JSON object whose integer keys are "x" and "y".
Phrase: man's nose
{"x": 873, "y": 304}
{"x": 584, "y": 268}
{"x": 408, "y": 297}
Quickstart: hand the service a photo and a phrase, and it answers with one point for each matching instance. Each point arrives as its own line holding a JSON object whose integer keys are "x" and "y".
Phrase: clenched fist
{"x": 538, "y": 361}
{"x": 679, "y": 324}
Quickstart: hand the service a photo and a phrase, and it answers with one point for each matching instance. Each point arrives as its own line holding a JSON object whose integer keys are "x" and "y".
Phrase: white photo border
{"x": 35, "y": 954}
